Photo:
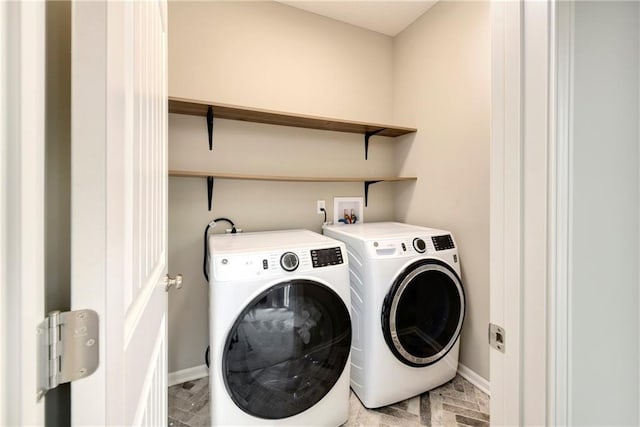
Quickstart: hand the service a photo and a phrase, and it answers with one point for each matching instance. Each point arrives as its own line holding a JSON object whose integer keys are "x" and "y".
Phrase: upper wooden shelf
{"x": 232, "y": 112}
{"x": 224, "y": 175}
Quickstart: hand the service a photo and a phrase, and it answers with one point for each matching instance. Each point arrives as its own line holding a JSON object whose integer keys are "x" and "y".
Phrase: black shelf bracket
{"x": 368, "y": 135}
{"x": 366, "y": 190}
{"x": 209, "y": 191}
{"x": 210, "y": 127}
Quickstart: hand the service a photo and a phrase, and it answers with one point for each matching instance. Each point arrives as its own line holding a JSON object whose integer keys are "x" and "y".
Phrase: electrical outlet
{"x": 320, "y": 205}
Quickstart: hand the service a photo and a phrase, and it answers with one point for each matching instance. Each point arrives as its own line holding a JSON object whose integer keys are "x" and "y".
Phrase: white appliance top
{"x": 267, "y": 241}
{"x": 268, "y": 254}
{"x": 381, "y": 230}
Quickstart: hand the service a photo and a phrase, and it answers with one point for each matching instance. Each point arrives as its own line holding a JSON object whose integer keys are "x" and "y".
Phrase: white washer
{"x": 408, "y": 306}
{"x": 280, "y": 330}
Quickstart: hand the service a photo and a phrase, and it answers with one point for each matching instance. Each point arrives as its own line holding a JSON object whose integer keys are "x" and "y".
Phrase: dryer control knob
{"x": 419, "y": 245}
{"x": 289, "y": 261}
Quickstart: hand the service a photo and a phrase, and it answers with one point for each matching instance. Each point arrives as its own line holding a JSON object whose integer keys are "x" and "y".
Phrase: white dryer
{"x": 408, "y": 305}
{"x": 280, "y": 330}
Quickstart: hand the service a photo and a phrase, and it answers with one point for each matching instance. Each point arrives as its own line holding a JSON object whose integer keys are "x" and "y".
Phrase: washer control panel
{"x": 326, "y": 257}
{"x": 442, "y": 243}
{"x": 241, "y": 266}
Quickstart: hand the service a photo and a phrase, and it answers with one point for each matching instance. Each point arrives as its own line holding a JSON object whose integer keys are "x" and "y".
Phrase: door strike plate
{"x": 497, "y": 337}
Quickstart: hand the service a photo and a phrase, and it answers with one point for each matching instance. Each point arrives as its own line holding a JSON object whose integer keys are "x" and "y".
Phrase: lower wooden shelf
{"x": 223, "y": 175}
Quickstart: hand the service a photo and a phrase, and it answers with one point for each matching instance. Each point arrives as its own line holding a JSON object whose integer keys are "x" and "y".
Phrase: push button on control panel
{"x": 404, "y": 247}
{"x": 265, "y": 264}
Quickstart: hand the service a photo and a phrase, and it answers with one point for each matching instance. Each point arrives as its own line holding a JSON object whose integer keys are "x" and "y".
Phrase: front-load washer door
{"x": 423, "y": 312}
{"x": 287, "y": 349}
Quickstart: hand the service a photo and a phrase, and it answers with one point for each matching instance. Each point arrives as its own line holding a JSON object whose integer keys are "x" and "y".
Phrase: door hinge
{"x": 497, "y": 337}
{"x": 69, "y": 348}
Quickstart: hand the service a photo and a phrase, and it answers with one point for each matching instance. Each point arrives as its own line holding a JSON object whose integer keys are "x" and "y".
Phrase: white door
{"x": 119, "y": 206}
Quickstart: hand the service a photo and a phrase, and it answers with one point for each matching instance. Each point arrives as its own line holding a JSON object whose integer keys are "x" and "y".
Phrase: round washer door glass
{"x": 423, "y": 313}
{"x": 287, "y": 349}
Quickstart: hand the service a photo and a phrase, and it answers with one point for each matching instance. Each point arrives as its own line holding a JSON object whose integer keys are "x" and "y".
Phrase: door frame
{"x": 528, "y": 213}
{"x": 512, "y": 170}
{"x": 560, "y": 140}
{"x": 22, "y": 130}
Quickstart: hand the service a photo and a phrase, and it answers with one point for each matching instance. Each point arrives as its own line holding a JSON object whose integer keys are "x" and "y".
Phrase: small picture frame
{"x": 348, "y": 210}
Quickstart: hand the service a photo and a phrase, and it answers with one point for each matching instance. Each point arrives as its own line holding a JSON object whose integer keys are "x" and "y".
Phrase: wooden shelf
{"x": 232, "y": 112}
{"x": 221, "y": 175}
{"x": 210, "y": 176}
{"x": 212, "y": 110}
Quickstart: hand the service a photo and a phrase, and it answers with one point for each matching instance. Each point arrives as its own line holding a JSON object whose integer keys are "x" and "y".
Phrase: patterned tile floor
{"x": 455, "y": 403}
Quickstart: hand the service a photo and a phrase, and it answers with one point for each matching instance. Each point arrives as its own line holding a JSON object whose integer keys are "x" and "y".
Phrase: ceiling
{"x": 388, "y": 17}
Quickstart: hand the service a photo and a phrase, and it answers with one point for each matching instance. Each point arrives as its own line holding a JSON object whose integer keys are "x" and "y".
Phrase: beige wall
{"x": 271, "y": 56}
{"x": 442, "y": 86}
{"x": 265, "y": 54}
{"x": 433, "y": 76}
{"x": 58, "y": 183}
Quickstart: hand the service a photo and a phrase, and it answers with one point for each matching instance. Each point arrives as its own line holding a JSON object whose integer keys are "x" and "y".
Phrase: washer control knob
{"x": 419, "y": 245}
{"x": 289, "y": 261}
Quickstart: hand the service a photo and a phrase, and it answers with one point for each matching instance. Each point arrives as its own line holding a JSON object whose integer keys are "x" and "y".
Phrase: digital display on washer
{"x": 442, "y": 243}
{"x": 325, "y": 257}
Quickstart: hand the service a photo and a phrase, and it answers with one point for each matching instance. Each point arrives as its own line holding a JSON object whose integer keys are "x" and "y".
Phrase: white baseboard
{"x": 189, "y": 374}
{"x": 474, "y": 378}
{"x": 197, "y": 372}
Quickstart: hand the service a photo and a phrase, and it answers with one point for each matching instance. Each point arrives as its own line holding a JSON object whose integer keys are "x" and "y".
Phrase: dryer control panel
{"x": 409, "y": 246}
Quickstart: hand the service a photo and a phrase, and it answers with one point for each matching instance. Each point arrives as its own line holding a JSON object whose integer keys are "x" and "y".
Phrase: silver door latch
{"x": 68, "y": 346}
{"x": 169, "y": 282}
{"x": 497, "y": 337}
